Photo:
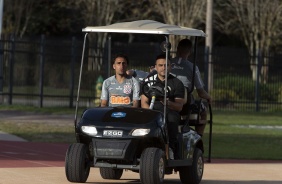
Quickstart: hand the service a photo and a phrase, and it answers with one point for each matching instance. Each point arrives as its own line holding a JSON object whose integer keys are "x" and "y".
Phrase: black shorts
{"x": 197, "y": 106}
{"x": 203, "y": 108}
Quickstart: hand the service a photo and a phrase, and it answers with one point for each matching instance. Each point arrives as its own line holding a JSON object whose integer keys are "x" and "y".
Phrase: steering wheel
{"x": 154, "y": 88}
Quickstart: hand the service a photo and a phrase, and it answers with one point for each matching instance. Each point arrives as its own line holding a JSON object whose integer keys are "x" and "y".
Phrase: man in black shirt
{"x": 174, "y": 100}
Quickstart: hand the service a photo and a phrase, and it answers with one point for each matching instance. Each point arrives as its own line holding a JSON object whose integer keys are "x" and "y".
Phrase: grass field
{"x": 246, "y": 135}
{"x": 243, "y": 135}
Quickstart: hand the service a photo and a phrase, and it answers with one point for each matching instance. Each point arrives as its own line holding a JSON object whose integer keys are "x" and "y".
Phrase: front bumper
{"x": 122, "y": 149}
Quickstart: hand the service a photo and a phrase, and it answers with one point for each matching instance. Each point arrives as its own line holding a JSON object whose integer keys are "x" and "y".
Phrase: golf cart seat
{"x": 191, "y": 114}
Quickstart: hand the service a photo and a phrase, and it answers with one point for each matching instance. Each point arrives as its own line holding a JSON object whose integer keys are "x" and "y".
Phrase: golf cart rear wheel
{"x": 152, "y": 166}
{"x": 110, "y": 173}
{"x": 193, "y": 174}
{"x": 77, "y": 163}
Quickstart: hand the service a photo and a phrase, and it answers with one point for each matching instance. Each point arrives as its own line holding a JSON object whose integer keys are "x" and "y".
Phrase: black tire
{"x": 110, "y": 173}
{"x": 193, "y": 174}
{"x": 152, "y": 166}
{"x": 77, "y": 164}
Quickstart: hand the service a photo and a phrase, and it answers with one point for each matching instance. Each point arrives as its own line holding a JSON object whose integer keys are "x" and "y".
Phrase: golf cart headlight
{"x": 90, "y": 130}
{"x": 140, "y": 132}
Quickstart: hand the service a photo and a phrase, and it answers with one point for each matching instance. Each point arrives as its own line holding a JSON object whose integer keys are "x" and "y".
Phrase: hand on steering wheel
{"x": 154, "y": 88}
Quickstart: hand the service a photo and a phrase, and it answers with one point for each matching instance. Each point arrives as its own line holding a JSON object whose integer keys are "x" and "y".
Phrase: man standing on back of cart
{"x": 120, "y": 89}
{"x": 174, "y": 100}
{"x": 182, "y": 68}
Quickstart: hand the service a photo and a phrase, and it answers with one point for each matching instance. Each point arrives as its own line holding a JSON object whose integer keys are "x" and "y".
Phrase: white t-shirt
{"x": 183, "y": 70}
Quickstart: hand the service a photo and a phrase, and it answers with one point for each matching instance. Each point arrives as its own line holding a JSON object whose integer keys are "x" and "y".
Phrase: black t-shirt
{"x": 174, "y": 85}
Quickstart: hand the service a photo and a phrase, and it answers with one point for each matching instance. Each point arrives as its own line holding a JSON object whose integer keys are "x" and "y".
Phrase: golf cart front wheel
{"x": 193, "y": 174}
{"x": 110, "y": 173}
{"x": 152, "y": 166}
{"x": 77, "y": 165}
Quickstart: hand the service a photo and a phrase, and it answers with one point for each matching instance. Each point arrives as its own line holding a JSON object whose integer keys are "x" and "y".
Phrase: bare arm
{"x": 176, "y": 105}
{"x": 104, "y": 95}
{"x": 130, "y": 72}
{"x": 104, "y": 103}
{"x": 144, "y": 102}
{"x": 203, "y": 94}
{"x": 136, "y": 103}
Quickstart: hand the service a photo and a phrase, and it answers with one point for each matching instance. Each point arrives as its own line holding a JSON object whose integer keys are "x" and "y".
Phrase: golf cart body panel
{"x": 120, "y": 123}
{"x": 115, "y": 140}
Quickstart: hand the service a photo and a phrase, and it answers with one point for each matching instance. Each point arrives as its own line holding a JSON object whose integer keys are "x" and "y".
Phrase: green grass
{"x": 47, "y": 90}
{"x": 48, "y": 110}
{"x": 233, "y": 138}
{"x": 229, "y": 139}
{"x": 40, "y": 132}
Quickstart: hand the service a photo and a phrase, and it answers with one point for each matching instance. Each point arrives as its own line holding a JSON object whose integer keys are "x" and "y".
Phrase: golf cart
{"x": 115, "y": 139}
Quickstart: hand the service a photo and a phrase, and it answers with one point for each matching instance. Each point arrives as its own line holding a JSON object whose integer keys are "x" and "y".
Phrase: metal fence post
{"x": 41, "y": 77}
{"x": 206, "y": 69}
{"x": 109, "y": 55}
{"x": 11, "y": 69}
{"x": 73, "y": 56}
{"x": 1, "y": 69}
{"x": 257, "y": 92}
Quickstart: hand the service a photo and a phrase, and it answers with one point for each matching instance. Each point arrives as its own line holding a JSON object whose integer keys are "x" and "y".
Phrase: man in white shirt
{"x": 120, "y": 89}
{"x": 182, "y": 68}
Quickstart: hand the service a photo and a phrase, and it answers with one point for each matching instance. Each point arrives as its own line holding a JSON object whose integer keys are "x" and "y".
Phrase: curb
{"x": 9, "y": 137}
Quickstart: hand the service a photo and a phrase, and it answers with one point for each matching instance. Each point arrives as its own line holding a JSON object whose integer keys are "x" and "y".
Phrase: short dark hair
{"x": 122, "y": 56}
{"x": 161, "y": 56}
{"x": 184, "y": 44}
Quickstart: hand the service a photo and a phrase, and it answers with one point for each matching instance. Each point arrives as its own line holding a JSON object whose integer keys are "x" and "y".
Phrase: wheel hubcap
{"x": 200, "y": 167}
{"x": 161, "y": 168}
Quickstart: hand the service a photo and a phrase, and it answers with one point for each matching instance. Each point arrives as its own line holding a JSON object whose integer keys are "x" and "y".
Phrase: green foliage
{"x": 224, "y": 95}
{"x": 57, "y": 75}
{"x": 244, "y": 88}
{"x": 268, "y": 92}
{"x": 58, "y": 18}
{"x": 280, "y": 95}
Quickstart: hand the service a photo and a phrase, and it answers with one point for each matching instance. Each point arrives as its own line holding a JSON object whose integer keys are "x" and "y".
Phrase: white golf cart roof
{"x": 145, "y": 27}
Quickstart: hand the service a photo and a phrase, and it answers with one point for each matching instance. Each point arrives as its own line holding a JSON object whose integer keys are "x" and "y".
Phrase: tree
{"x": 136, "y": 10}
{"x": 105, "y": 12}
{"x": 187, "y": 13}
{"x": 17, "y": 14}
{"x": 98, "y": 13}
{"x": 258, "y": 23}
{"x": 36, "y": 17}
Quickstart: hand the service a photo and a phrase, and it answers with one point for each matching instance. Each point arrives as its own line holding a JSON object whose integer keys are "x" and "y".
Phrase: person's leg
{"x": 201, "y": 127}
{"x": 203, "y": 120}
{"x": 173, "y": 119}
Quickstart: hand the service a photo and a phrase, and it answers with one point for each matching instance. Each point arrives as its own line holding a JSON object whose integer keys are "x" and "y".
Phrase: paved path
{"x": 8, "y": 137}
{"x": 33, "y": 163}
